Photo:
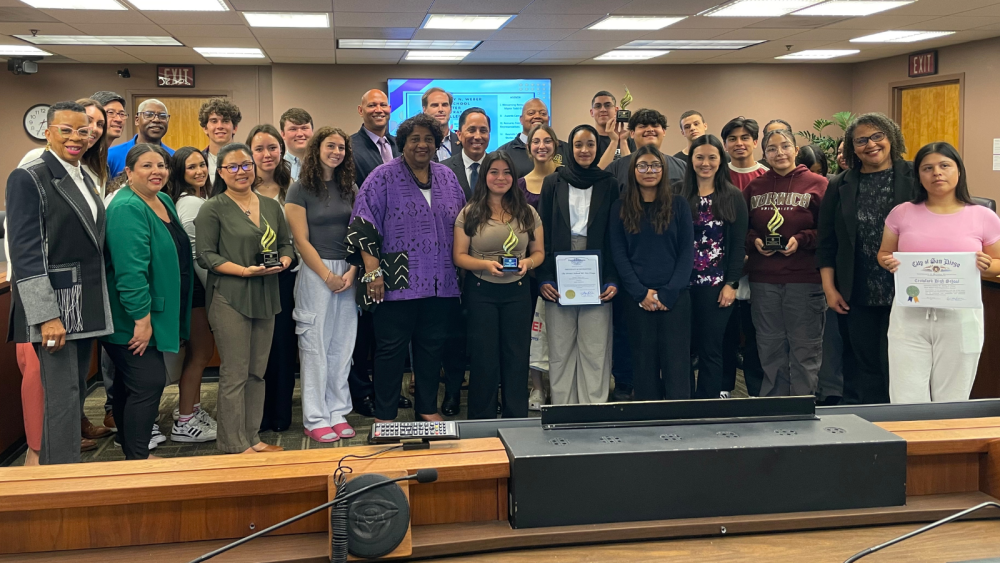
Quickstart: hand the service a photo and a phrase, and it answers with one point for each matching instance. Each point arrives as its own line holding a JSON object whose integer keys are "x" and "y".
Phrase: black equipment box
{"x": 568, "y": 476}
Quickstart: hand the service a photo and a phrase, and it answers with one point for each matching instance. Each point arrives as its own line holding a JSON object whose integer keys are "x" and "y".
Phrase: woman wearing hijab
{"x": 575, "y": 207}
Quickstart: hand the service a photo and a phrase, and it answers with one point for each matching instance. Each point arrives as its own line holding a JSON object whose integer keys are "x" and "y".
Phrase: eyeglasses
{"x": 643, "y": 167}
{"x": 67, "y": 132}
{"x": 162, "y": 116}
{"x": 875, "y": 138}
{"x": 785, "y": 148}
{"x": 234, "y": 168}
{"x": 118, "y": 114}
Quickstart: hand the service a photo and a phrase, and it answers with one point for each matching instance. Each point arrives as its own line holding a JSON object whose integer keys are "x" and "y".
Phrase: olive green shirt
{"x": 226, "y": 234}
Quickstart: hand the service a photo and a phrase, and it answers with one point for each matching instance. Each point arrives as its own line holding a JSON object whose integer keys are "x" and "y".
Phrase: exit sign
{"x": 923, "y": 64}
{"x": 175, "y": 76}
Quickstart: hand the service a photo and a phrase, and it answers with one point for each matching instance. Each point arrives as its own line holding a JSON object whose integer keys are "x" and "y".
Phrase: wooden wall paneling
{"x": 184, "y": 128}
{"x": 503, "y": 512}
{"x": 989, "y": 474}
{"x": 987, "y": 383}
{"x": 457, "y": 501}
{"x": 940, "y": 474}
{"x": 929, "y": 113}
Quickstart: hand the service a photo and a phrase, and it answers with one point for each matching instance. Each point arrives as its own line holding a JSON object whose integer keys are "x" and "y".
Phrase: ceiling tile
{"x": 797, "y": 22}
{"x": 513, "y": 34}
{"x": 498, "y": 57}
{"x": 89, "y": 50}
{"x": 297, "y": 43}
{"x": 702, "y": 22}
{"x": 324, "y": 60}
{"x": 394, "y": 6}
{"x": 301, "y": 52}
{"x": 674, "y": 33}
{"x": 160, "y": 53}
{"x": 601, "y": 46}
{"x": 378, "y": 19}
{"x": 117, "y": 58}
{"x": 381, "y": 56}
{"x": 546, "y": 21}
{"x": 306, "y": 33}
{"x": 756, "y": 34}
{"x": 21, "y": 13}
{"x": 957, "y": 23}
{"x": 208, "y": 31}
{"x": 515, "y": 45}
{"x": 149, "y": 30}
{"x": 74, "y": 17}
{"x": 661, "y": 8}
{"x": 993, "y": 27}
{"x": 374, "y": 32}
{"x": 990, "y": 12}
{"x": 826, "y": 33}
{"x": 215, "y": 41}
{"x": 550, "y": 62}
{"x": 203, "y": 18}
{"x": 600, "y": 35}
{"x": 879, "y": 22}
{"x": 456, "y": 34}
{"x": 573, "y": 6}
{"x": 286, "y": 6}
{"x": 44, "y": 28}
{"x": 568, "y": 55}
{"x": 940, "y": 7}
{"x": 479, "y": 6}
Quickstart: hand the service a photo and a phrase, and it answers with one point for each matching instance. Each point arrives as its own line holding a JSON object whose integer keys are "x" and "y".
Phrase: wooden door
{"x": 184, "y": 129}
{"x": 930, "y": 113}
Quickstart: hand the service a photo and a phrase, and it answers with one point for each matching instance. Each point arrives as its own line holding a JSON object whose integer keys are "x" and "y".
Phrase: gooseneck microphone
{"x": 421, "y": 476}
{"x": 930, "y": 526}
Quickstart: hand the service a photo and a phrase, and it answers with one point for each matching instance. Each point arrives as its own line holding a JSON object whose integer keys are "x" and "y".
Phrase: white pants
{"x": 933, "y": 353}
{"x": 326, "y": 324}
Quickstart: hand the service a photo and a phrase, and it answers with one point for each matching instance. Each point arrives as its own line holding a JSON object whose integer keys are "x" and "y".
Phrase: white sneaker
{"x": 201, "y": 415}
{"x": 157, "y": 436}
{"x": 536, "y": 399}
{"x": 152, "y": 444}
{"x": 724, "y": 395}
{"x": 191, "y": 431}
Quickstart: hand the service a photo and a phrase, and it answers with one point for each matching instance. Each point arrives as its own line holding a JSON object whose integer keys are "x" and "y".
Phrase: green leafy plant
{"x": 829, "y": 144}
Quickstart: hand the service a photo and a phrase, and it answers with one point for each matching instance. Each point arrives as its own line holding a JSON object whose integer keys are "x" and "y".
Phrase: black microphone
{"x": 930, "y": 526}
{"x": 421, "y": 476}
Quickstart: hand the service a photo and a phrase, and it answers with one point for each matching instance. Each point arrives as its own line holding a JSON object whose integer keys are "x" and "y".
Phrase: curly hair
{"x": 221, "y": 107}
{"x": 647, "y": 117}
{"x": 631, "y": 210}
{"x": 311, "y": 176}
{"x": 478, "y": 212}
{"x": 420, "y": 120}
{"x": 875, "y": 120}
{"x": 282, "y": 172}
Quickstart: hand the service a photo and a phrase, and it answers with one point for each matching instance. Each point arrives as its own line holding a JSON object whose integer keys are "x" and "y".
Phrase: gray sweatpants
{"x": 64, "y": 375}
{"x": 789, "y": 319}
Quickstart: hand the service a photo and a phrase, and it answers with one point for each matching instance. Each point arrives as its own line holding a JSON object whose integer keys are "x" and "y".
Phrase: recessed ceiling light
{"x": 758, "y": 8}
{"x": 820, "y": 54}
{"x": 635, "y": 23}
{"x": 180, "y": 5}
{"x": 630, "y": 55}
{"x": 75, "y": 4}
{"x": 436, "y": 55}
{"x": 22, "y": 51}
{"x": 900, "y": 36}
{"x": 414, "y": 44}
{"x": 457, "y": 21}
{"x": 229, "y": 53}
{"x": 694, "y": 44}
{"x": 133, "y": 40}
{"x": 287, "y": 19}
{"x": 851, "y": 7}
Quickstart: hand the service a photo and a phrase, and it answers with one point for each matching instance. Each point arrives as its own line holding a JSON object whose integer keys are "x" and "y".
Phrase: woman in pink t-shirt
{"x": 934, "y": 353}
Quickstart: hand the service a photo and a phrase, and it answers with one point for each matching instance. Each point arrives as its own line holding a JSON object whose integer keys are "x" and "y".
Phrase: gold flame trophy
{"x": 267, "y": 257}
{"x": 772, "y": 241}
{"x": 509, "y": 262}
{"x": 623, "y": 114}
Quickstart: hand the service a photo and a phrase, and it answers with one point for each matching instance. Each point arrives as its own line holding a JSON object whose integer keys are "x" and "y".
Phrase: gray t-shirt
{"x": 327, "y": 217}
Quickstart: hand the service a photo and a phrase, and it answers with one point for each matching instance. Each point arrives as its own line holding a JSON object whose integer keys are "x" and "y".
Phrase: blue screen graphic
{"x": 502, "y": 100}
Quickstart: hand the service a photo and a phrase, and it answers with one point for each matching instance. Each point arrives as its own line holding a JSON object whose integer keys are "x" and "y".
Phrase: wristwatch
{"x": 370, "y": 276}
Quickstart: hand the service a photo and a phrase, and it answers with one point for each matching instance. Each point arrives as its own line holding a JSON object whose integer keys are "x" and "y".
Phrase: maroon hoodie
{"x": 798, "y": 196}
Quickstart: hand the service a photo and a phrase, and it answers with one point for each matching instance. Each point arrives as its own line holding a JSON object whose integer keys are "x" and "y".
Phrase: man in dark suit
{"x": 372, "y": 144}
{"x": 437, "y": 103}
{"x": 532, "y": 113}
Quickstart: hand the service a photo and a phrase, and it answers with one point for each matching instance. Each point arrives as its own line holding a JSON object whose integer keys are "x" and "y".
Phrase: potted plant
{"x": 829, "y": 144}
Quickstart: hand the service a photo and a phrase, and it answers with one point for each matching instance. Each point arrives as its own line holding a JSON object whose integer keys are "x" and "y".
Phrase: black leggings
{"x": 138, "y": 386}
{"x": 708, "y": 327}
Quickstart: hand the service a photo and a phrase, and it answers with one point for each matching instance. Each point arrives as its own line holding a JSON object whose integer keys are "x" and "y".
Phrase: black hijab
{"x": 579, "y": 176}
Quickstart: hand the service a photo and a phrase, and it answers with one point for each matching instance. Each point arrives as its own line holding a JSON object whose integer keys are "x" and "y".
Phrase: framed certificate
{"x": 578, "y": 277}
{"x": 944, "y": 280}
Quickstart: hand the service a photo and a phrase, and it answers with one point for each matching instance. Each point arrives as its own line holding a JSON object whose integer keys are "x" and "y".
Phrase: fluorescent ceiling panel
{"x": 759, "y": 8}
{"x": 229, "y": 53}
{"x": 22, "y": 51}
{"x": 692, "y": 45}
{"x": 415, "y": 44}
{"x": 630, "y": 55}
{"x": 436, "y": 55}
{"x": 467, "y": 22}
{"x": 75, "y": 4}
{"x": 820, "y": 54}
{"x": 635, "y": 23}
{"x": 900, "y": 36}
{"x": 851, "y": 8}
{"x": 113, "y": 40}
{"x": 180, "y": 5}
{"x": 287, "y": 19}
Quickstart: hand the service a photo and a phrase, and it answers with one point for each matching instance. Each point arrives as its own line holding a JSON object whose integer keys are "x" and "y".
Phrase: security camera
{"x": 124, "y": 73}
{"x": 23, "y": 65}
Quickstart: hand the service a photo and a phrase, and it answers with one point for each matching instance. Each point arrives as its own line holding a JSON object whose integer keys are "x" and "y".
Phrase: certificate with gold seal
{"x": 943, "y": 280}
{"x": 578, "y": 277}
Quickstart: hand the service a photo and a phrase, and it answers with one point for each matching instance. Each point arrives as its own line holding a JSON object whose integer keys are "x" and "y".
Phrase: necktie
{"x": 383, "y": 147}
{"x": 474, "y": 176}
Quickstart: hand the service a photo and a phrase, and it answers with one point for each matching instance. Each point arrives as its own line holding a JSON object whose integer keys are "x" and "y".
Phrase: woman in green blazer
{"x": 149, "y": 277}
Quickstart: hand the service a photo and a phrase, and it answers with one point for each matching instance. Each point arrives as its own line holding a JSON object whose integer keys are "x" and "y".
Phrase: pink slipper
{"x": 343, "y": 430}
{"x": 323, "y": 435}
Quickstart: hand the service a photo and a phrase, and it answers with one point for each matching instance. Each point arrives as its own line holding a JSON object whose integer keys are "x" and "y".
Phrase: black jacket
{"x": 366, "y": 155}
{"x": 456, "y": 147}
{"x": 838, "y": 220}
{"x": 553, "y": 207}
{"x": 56, "y": 252}
{"x": 457, "y": 165}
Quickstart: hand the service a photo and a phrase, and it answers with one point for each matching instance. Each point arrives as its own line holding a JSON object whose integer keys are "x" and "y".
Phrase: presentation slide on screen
{"x": 502, "y": 100}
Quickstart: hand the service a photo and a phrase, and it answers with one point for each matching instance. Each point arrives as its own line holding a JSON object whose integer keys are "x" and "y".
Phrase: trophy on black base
{"x": 509, "y": 262}
{"x": 623, "y": 114}
{"x": 267, "y": 257}
{"x": 772, "y": 241}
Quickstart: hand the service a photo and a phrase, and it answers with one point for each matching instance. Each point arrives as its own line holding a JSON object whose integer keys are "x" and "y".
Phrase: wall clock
{"x": 35, "y": 121}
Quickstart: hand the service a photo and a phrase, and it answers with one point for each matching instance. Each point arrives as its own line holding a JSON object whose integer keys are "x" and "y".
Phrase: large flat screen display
{"x": 502, "y": 100}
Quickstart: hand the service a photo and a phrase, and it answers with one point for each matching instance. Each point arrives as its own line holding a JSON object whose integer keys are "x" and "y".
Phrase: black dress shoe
{"x": 405, "y": 403}
{"x": 366, "y": 407}
{"x": 451, "y": 404}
